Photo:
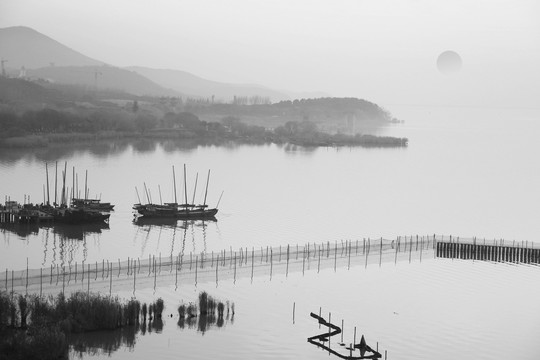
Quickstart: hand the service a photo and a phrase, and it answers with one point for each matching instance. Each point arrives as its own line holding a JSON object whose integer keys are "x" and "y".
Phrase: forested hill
{"x": 330, "y": 114}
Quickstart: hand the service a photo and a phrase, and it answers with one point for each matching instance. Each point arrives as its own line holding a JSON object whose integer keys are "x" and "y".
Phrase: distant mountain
{"x": 23, "y": 46}
{"x": 190, "y": 84}
{"x": 44, "y": 57}
{"x": 102, "y": 77}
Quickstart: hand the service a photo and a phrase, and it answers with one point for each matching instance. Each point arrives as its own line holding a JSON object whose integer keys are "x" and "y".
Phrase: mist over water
{"x": 467, "y": 172}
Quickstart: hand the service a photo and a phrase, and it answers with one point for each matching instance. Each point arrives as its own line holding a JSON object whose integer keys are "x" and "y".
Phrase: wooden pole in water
{"x": 110, "y": 280}
{"x": 293, "y": 311}
{"x": 86, "y": 185}
{"x": 287, "y": 271}
{"x": 303, "y": 260}
{"x": 330, "y": 321}
{"x": 335, "y": 257}
{"x": 88, "y": 290}
{"x": 271, "y": 264}
{"x": 217, "y": 265}
{"x": 252, "y": 262}
{"x": 235, "y": 267}
{"x": 160, "y": 199}
{"x": 319, "y": 263}
{"x": 349, "y": 265}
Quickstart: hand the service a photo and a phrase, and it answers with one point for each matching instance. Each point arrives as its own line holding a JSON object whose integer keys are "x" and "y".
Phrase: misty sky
{"x": 381, "y": 50}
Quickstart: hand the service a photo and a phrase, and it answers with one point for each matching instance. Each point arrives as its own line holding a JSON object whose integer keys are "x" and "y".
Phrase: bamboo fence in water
{"x": 109, "y": 276}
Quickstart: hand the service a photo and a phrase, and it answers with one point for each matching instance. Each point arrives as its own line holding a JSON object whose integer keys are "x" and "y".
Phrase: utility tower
{"x": 96, "y": 73}
{"x": 3, "y": 68}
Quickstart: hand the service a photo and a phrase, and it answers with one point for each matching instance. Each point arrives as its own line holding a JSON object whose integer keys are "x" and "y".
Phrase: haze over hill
{"x": 103, "y": 77}
{"x": 23, "y": 46}
{"x": 46, "y": 58}
{"x": 190, "y": 84}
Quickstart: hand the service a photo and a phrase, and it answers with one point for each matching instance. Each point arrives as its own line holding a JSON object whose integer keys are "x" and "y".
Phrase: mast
{"x": 85, "y": 185}
{"x": 64, "y": 184}
{"x": 137, "y": 191}
{"x": 195, "y": 189}
{"x": 174, "y": 184}
{"x": 47, "y": 172}
{"x": 219, "y": 199}
{"x": 73, "y": 186}
{"x": 146, "y": 191}
{"x": 160, "y": 200}
{"x": 185, "y": 184}
{"x": 55, "y": 184}
{"x": 206, "y": 191}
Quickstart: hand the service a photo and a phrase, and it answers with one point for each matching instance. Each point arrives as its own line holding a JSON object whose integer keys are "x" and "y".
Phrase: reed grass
{"x": 182, "y": 311}
{"x": 52, "y": 319}
{"x": 23, "y": 310}
{"x": 158, "y": 307}
{"x": 144, "y": 311}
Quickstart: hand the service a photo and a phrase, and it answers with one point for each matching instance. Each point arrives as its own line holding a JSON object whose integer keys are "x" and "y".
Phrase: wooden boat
{"x": 92, "y": 204}
{"x": 78, "y": 216}
{"x": 174, "y": 210}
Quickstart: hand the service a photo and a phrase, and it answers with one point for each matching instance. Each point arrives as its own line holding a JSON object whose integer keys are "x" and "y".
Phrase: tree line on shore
{"x": 39, "y": 127}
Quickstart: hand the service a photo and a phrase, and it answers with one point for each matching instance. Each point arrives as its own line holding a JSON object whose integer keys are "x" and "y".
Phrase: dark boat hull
{"x": 80, "y": 216}
{"x": 197, "y": 214}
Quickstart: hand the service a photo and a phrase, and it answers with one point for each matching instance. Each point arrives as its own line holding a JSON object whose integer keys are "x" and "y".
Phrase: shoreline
{"x": 51, "y": 140}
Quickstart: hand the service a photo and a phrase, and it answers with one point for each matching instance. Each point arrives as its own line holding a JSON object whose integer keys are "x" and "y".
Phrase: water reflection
{"x": 64, "y": 231}
{"x": 104, "y": 342}
{"x": 79, "y": 232}
{"x": 98, "y": 149}
{"x": 203, "y": 323}
{"x": 176, "y": 230}
{"x": 106, "y": 148}
{"x": 20, "y": 229}
{"x": 107, "y": 342}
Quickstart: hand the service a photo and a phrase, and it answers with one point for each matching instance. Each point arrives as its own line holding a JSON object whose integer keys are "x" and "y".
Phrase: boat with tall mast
{"x": 183, "y": 211}
{"x": 76, "y": 213}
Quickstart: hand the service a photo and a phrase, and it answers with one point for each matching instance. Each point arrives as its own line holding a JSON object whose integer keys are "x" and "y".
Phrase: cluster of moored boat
{"x": 86, "y": 211}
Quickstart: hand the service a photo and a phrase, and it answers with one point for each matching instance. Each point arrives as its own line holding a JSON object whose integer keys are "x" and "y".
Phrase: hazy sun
{"x": 449, "y": 62}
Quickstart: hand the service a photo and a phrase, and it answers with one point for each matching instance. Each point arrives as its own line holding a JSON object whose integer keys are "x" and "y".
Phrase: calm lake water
{"x": 467, "y": 172}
